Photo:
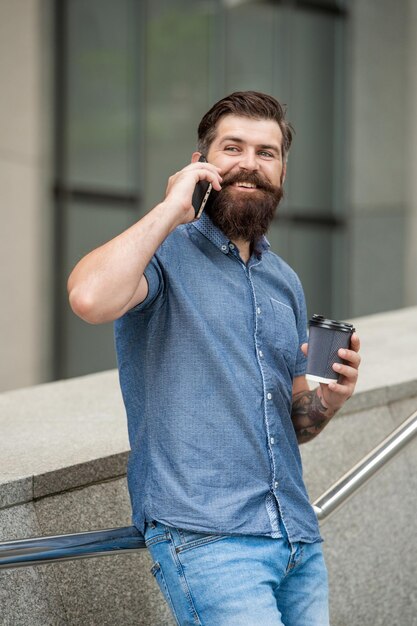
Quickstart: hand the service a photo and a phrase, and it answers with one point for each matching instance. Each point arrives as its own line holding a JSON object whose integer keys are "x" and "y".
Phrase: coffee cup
{"x": 326, "y": 337}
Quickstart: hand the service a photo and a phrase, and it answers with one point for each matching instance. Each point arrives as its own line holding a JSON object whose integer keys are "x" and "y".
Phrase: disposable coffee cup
{"x": 326, "y": 337}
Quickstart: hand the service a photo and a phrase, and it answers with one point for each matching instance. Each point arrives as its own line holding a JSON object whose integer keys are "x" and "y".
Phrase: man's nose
{"x": 248, "y": 161}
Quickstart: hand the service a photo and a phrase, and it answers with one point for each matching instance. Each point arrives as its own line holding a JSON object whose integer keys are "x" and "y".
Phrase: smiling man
{"x": 211, "y": 342}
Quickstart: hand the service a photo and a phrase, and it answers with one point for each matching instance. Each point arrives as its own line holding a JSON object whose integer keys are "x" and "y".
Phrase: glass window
{"x": 251, "y": 27}
{"x": 102, "y": 103}
{"x": 177, "y": 86}
{"x": 312, "y": 79}
{"x": 139, "y": 76}
{"x": 88, "y": 348}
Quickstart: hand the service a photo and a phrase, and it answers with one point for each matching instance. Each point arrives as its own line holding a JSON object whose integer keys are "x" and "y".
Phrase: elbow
{"x": 83, "y": 306}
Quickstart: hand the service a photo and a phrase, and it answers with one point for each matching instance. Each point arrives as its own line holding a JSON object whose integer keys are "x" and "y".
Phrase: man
{"x": 211, "y": 343}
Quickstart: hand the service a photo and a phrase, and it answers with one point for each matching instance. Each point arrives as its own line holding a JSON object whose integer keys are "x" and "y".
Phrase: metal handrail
{"x": 41, "y": 550}
{"x": 356, "y": 477}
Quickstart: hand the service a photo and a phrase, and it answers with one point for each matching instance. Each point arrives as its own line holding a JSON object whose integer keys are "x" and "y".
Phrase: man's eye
{"x": 231, "y": 148}
{"x": 266, "y": 154}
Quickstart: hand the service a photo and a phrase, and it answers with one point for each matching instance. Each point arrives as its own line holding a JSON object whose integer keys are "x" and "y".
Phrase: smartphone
{"x": 201, "y": 193}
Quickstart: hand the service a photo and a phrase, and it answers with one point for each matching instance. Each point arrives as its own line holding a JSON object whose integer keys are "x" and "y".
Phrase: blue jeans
{"x": 238, "y": 580}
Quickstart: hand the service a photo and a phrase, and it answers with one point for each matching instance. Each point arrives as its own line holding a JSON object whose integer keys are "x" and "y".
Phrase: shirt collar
{"x": 219, "y": 239}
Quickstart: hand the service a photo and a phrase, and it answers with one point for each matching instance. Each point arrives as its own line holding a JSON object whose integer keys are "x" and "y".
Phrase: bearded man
{"x": 211, "y": 344}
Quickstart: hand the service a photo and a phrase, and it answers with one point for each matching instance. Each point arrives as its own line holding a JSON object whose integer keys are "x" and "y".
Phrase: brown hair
{"x": 251, "y": 104}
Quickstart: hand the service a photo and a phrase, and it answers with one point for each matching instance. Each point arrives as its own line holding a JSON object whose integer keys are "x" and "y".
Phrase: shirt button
{"x": 261, "y": 353}
{"x": 231, "y": 246}
{"x": 258, "y": 310}
{"x": 269, "y": 396}
{"x": 272, "y": 440}
{"x": 276, "y": 484}
{"x": 224, "y": 248}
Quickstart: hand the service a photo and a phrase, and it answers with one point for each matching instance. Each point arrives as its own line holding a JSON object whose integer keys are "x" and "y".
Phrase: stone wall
{"x": 370, "y": 543}
{"x": 104, "y": 591}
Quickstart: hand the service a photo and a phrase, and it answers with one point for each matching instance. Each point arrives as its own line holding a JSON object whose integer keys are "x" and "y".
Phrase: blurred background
{"x": 99, "y": 104}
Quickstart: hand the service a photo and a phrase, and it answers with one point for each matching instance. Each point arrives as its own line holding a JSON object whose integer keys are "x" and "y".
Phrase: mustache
{"x": 253, "y": 178}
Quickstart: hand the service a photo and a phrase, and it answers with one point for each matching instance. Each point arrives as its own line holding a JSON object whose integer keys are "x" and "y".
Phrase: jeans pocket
{"x": 191, "y": 539}
{"x": 158, "y": 574}
{"x": 154, "y": 534}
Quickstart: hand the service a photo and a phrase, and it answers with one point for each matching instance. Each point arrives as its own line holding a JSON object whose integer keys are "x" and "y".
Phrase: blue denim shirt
{"x": 206, "y": 368}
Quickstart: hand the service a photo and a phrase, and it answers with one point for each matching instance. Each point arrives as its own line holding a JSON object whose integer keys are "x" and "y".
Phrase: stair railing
{"x": 41, "y": 550}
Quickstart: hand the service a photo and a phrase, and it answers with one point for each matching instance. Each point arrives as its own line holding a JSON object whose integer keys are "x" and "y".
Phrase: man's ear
{"x": 195, "y": 157}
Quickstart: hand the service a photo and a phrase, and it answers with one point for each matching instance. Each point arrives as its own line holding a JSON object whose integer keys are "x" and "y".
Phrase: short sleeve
{"x": 155, "y": 279}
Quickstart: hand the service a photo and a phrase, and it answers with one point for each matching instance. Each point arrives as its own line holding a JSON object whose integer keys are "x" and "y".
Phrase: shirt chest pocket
{"x": 285, "y": 336}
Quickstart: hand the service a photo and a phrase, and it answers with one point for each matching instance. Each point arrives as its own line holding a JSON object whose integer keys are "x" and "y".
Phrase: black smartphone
{"x": 201, "y": 193}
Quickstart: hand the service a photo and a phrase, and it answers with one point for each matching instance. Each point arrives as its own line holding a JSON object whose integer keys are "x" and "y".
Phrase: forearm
{"x": 309, "y": 414}
{"x": 108, "y": 280}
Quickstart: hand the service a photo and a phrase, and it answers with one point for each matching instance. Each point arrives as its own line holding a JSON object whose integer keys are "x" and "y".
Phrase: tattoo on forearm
{"x": 309, "y": 416}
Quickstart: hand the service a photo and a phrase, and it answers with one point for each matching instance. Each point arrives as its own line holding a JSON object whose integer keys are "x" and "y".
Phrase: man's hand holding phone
{"x": 189, "y": 189}
{"x": 201, "y": 193}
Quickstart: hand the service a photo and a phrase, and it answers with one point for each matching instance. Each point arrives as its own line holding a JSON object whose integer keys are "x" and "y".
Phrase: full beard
{"x": 242, "y": 215}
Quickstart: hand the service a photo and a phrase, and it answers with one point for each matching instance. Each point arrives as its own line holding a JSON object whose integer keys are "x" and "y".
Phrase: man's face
{"x": 242, "y": 144}
{"x": 248, "y": 153}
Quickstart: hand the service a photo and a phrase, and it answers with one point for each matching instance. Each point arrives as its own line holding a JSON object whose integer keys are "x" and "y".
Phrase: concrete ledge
{"x": 60, "y": 436}
{"x": 73, "y": 433}
{"x": 389, "y": 366}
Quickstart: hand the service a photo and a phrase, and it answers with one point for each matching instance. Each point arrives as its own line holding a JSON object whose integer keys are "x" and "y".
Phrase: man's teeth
{"x": 249, "y": 185}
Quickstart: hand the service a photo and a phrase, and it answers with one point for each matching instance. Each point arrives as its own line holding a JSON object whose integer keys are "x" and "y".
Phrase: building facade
{"x": 100, "y": 103}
